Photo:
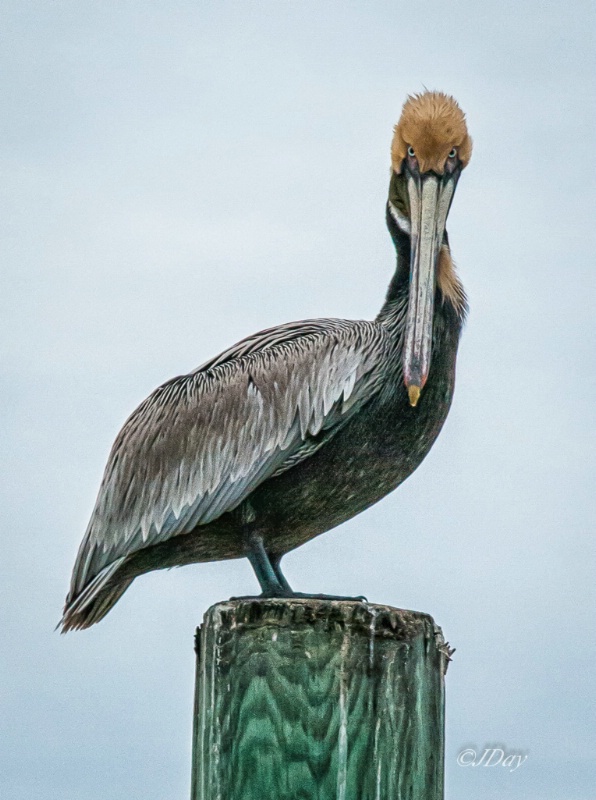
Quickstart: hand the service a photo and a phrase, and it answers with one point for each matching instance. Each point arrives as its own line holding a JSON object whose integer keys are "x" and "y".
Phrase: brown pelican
{"x": 298, "y": 428}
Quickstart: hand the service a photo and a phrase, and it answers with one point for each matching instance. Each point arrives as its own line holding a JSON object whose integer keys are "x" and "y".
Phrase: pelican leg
{"x": 268, "y": 567}
{"x": 273, "y": 583}
{"x": 276, "y": 564}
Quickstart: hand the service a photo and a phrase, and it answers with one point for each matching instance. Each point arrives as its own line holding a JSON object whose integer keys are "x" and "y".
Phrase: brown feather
{"x": 432, "y": 123}
{"x": 449, "y": 283}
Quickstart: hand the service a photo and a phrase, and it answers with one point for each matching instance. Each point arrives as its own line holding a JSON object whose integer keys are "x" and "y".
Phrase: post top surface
{"x": 354, "y": 615}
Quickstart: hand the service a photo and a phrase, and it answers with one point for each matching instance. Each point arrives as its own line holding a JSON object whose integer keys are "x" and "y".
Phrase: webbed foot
{"x": 290, "y": 595}
{"x": 359, "y": 599}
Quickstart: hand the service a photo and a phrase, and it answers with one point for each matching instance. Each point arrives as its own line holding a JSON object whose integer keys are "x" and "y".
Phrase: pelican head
{"x": 430, "y": 147}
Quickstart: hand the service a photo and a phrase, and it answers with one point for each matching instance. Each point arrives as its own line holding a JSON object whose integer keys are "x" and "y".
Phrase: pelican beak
{"x": 430, "y": 198}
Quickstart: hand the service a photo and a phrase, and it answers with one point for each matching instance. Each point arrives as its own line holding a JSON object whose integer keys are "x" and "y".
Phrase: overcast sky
{"x": 178, "y": 175}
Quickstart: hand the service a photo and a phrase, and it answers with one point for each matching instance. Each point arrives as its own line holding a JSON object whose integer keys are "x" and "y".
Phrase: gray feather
{"x": 201, "y": 443}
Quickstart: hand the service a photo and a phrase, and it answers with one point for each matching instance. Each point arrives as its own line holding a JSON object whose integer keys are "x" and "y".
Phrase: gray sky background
{"x": 178, "y": 175}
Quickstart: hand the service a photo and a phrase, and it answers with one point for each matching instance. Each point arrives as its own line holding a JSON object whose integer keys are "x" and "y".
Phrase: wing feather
{"x": 201, "y": 443}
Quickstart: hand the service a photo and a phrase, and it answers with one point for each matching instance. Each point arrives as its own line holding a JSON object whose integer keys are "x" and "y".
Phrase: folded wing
{"x": 201, "y": 443}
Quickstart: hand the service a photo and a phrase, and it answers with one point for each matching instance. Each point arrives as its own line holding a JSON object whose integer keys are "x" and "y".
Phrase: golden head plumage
{"x": 432, "y": 124}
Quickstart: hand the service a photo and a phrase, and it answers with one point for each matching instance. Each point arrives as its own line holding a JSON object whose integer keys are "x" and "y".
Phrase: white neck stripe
{"x": 403, "y": 223}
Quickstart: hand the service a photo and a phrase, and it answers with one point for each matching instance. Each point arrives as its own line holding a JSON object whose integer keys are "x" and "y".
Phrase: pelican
{"x": 300, "y": 427}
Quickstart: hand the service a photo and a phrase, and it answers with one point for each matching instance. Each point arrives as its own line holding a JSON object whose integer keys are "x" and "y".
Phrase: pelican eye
{"x": 411, "y": 152}
{"x": 453, "y": 153}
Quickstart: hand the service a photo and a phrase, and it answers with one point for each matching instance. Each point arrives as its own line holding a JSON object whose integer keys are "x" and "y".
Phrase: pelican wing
{"x": 201, "y": 443}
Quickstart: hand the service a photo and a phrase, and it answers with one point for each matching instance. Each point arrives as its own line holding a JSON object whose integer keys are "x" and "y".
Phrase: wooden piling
{"x": 318, "y": 700}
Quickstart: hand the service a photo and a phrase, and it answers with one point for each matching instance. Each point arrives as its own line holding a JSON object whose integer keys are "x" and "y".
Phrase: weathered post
{"x": 318, "y": 700}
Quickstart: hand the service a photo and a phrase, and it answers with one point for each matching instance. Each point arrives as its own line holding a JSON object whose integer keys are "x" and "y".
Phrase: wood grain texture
{"x": 318, "y": 700}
